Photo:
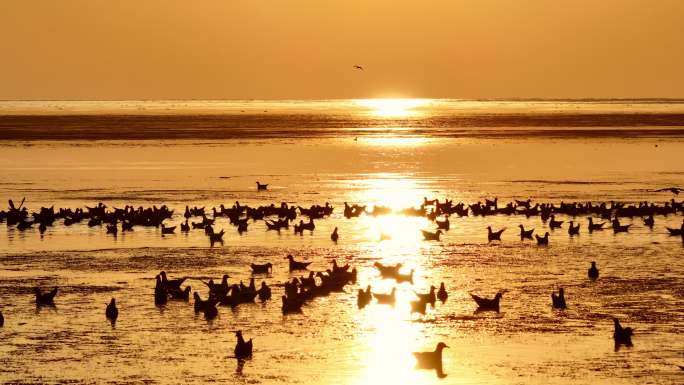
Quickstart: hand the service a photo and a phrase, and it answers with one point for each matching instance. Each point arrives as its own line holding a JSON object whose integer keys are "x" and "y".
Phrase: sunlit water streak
{"x": 332, "y": 341}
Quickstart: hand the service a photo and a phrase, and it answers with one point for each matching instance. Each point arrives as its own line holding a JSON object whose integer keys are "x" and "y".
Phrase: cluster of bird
{"x": 613, "y": 211}
{"x": 364, "y": 297}
{"x": 434, "y": 210}
{"x": 300, "y": 290}
{"x": 219, "y": 293}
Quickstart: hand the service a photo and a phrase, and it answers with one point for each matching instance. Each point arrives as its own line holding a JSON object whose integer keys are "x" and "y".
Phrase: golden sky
{"x": 275, "y": 49}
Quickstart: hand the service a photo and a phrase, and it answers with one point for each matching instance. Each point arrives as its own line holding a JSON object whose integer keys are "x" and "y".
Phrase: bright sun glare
{"x": 392, "y": 107}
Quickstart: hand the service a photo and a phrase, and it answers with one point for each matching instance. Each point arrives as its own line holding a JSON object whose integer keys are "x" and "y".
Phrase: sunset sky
{"x": 259, "y": 49}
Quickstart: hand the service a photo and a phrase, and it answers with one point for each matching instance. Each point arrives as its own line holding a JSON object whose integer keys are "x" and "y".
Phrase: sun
{"x": 392, "y": 108}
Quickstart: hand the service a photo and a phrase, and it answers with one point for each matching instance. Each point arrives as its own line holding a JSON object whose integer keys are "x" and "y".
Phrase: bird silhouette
{"x": 525, "y": 234}
{"x": 494, "y": 235}
{"x": 112, "y": 312}
{"x": 542, "y": 241}
{"x": 593, "y": 272}
{"x": 386, "y": 299}
{"x": 243, "y": 350}
{"x": 558, "y": 300}
{"x": 296, "y": 265}
{"x": 487, "y": 304}
{"x": 364, "y": 297}
{"x": 45, "y": 298}
{"x": 431, "y": 360}
{"x": 622, "y": 335}
{"x": 442, "y": 294}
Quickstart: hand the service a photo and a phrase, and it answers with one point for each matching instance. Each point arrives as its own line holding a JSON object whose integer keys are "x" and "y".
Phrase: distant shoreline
{"x": 279, "y": 125}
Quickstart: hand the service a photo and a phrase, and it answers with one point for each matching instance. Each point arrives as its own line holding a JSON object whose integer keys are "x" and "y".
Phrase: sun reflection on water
{"x": 395, "y": 141}
{"x": 392, "y": 335}
{"x": 394, "y": 108}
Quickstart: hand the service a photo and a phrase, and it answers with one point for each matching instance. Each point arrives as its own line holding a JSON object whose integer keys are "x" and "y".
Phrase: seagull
{"x": 358, "y": 67}
{"x": 431, "y": 360}
{"x": 593, "y": 272}
{"x": 112, "y": 312}
{"x": 622, "y": 335}
{"x": 243, "y": 349}
{"x": 674, "y": 190}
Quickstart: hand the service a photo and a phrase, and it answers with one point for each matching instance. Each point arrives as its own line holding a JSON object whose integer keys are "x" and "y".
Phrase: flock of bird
{"x": 278, "y": 218}
{"x": 300, "y": 290}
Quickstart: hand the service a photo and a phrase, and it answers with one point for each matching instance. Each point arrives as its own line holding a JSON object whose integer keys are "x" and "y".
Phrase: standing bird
{"x": 296, "y": 265}
{"x": 554, "y": 224}
{"x": 418, "y": 306}
{"x": 334, "y": 236}
{"x": 622, "y": 336}
{"x": 593, "y": 272}
{"x": 525, "y": 234}
{"x": 649, "y": 221}
{"x": 486, "y": 304}
{"x": 558, "y": 300}
{"x": 542, "y": 241}
{"x": 2, "y": 320}
{"x": 386, "y": 299}
{"x": 494, "y": 235}
{"x": 430, "y": 236}
{"x": 364, "y": 297}
{"x": 45, "y": 298}
{"x": 264, "y": 292}
{"x": 431, "y": 360}
{"x": 442, "y": 294}
{"x": 595, "y": 226}
{"x": 243, "y": 350}
{"x": 428, "y": 297}
{"x": 112, "y": 312}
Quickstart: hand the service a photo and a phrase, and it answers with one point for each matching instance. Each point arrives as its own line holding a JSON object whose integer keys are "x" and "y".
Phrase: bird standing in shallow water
{"x": 486, "y": 304}
{"x": 334, "y": 236}
{"x": 296, "y": 265}
{"x": 554, "y": 224}
{"x": 442, "y": 294}
{"x": 264, "y": 292}
{"x": 243, "y": 350}
{"x": 622, "y": 336}
{"x": 418, "y": 306}
{"x": 593, "y": 272}
{"x": 558, "y": 300}
{"x": 45, "y": 298}
{"x": 525, "y": 234}
{"x": 429, "y": 236}
{"x": 364, "y": 297}
{"x": 428, "y": 297}
{"x": 494, "y": 235}
{"x": 112, "y": 312}
{"x": 431, "y": 360}
{"x": 542, "y": 241}
{"x": 386, "y": 299}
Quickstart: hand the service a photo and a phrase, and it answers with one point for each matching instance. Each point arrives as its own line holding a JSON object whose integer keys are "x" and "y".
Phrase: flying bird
{"x": 358, "y": 67}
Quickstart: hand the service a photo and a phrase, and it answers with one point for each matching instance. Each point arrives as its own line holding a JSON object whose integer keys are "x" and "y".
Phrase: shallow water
{"x": 642, "y": 272}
